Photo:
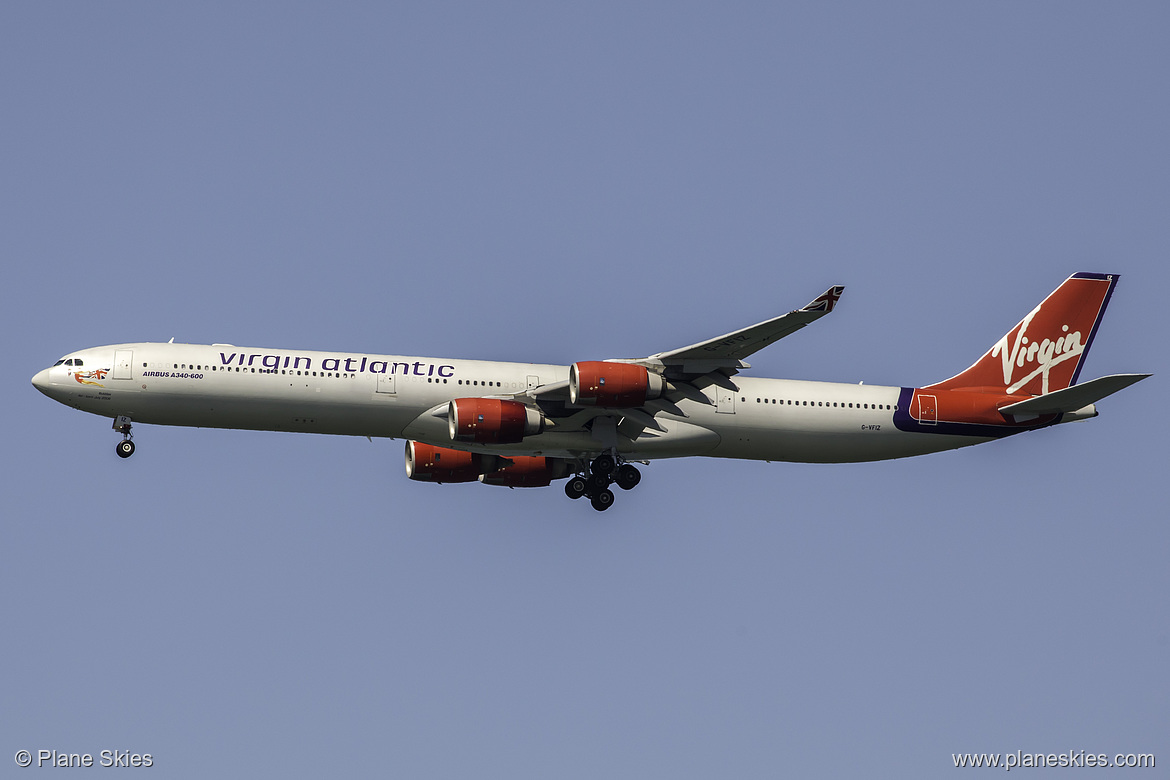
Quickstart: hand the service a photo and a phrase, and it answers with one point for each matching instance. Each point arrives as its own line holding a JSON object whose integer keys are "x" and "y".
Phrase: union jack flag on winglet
{"x": 827, "y": 301}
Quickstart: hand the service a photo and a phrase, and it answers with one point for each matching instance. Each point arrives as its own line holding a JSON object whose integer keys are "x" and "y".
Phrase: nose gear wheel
{"x": 122, "y": 425}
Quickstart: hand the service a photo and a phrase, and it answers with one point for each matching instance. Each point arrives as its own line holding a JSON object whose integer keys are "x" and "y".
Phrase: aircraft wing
{"x": 728, "y": 351}
{"x": 688, "y": 371}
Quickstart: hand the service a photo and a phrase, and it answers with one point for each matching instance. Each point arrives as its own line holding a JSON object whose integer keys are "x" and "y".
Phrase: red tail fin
{"x": 1045, "y": 351}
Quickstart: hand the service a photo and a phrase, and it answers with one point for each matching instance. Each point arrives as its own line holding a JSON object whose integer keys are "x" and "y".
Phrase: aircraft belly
{"x": 314, "y": 415}
{"x": 679, "y": 439}
{"x": 827, "y": 446}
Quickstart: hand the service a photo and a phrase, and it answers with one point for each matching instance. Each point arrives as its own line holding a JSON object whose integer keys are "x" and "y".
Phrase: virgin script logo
{"x": 1045, "y": 354}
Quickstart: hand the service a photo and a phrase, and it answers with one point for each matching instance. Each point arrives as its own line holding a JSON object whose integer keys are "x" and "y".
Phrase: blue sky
{"x": 551, "y": 183}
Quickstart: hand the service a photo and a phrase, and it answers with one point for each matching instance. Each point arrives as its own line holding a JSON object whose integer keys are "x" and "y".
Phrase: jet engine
{"x": 612, "y": 385}
{"x": 527, "y": 471}
{"x": 427, "y": 463}
{"x": 492, "y": 420}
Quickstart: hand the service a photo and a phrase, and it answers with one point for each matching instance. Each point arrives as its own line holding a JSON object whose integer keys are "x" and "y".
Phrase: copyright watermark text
{"x": 1071, "y": 758}
{"x": 106, "y": 758}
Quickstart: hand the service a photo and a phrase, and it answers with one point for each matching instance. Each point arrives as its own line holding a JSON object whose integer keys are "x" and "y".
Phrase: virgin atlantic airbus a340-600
{"x": 526, "y": 424}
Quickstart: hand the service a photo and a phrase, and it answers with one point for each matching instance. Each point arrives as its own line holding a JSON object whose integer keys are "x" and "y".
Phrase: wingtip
{"x": 827, "y": 301}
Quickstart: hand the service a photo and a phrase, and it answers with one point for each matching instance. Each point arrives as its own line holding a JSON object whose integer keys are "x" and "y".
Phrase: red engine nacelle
{"x": 491, "y": 420}
{"x": 527, "y": 471}
{"x": 427, "y": 463}
{"x": 612, "y": 385}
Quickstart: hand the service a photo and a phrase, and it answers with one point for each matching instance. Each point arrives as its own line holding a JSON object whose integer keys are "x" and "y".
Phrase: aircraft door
{"x": 123, "y": 363}
{"x": 386, "y": 384}
{"x": 927, "y": 409}
{"x": 724, "y": 400}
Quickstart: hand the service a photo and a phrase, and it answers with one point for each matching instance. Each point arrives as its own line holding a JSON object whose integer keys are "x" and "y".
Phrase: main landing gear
{"x": 125, "y": 447}
{"x": 603, "y": 471}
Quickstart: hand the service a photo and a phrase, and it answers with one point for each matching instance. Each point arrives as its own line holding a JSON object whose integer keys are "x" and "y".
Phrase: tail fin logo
{"x": 1045, "y": 354}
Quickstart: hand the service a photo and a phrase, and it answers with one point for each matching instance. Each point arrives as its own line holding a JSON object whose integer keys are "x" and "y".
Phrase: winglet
{"x": 826, "y": 302}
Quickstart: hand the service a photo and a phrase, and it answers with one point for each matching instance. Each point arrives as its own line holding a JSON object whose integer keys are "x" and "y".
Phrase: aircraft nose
{"x": 41, "y": 381}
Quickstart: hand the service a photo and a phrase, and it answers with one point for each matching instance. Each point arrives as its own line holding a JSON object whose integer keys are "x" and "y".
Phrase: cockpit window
{"x": 59, "y": 362}
{"x": 77, "y": 362}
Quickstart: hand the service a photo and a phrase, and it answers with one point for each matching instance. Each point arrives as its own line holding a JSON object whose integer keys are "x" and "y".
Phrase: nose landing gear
{"x": 603, "y": 472}
{"x": 125, "y": 447}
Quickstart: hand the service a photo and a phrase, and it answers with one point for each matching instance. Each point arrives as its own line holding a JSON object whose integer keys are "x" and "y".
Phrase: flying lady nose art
{"x": 90, "y": 377}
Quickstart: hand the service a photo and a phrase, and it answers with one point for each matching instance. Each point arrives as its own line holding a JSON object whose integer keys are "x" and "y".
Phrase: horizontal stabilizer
{"x": 1072, "y": 398}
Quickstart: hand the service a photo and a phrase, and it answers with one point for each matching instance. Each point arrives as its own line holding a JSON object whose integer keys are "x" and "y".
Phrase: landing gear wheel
{"x": 125, "y": 448}
{"x": 602, "y": 501}
{"x": 627, "y": 476}
{"x": 603, "y": 464}
{"x": 595, "y": 484}
{"x": 576, "y": 487}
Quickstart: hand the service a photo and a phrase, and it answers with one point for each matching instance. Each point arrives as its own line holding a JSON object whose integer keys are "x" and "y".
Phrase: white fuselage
{"x": 220, "y": 386}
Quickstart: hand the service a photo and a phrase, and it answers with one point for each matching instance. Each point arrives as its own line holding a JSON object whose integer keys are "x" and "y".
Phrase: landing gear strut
{"x": 125, "y": 447}
{"x": 604, "y": 471}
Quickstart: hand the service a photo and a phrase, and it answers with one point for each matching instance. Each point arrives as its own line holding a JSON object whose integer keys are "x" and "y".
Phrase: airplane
{"x": 526, "y": 424}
